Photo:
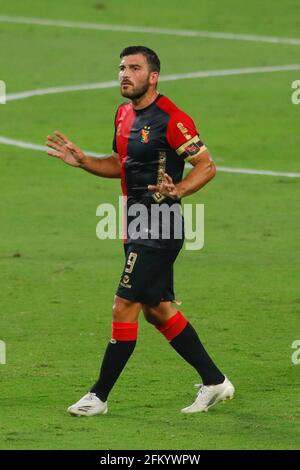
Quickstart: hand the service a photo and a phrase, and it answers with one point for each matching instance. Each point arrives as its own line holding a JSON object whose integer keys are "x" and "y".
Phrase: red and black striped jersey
{"x": 160, "y": 136}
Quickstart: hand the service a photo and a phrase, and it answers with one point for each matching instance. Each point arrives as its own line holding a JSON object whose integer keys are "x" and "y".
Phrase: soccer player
{"x": 152, "y": 141}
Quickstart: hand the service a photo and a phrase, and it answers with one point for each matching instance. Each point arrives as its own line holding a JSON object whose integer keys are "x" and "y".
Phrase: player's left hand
{"x": 166, "y": 187}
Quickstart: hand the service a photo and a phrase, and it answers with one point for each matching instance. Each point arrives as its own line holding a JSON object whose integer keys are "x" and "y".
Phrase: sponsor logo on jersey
{"x": 158, "y": 197}
{"x": 162, "y": 159}
{"x": 184, "y": 130}
{"x": 126, "y": 279}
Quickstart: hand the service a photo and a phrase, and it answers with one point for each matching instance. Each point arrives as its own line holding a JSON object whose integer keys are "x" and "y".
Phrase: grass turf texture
{"x": 241, "y": 291}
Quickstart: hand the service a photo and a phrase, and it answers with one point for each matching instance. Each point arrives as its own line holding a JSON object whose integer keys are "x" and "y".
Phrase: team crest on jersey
{"x": 145, "y": 134}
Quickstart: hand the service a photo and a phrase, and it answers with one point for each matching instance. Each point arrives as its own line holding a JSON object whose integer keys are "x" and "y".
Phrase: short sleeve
{"x": 183, "y": 136}
{"x": 114, "y": 142}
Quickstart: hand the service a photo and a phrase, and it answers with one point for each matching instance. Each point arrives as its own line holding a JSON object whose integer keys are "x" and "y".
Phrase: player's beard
{"x": 134, "y": 93}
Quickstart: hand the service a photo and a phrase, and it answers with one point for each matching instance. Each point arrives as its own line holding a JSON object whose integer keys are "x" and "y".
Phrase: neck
{"x": 145, "y": 100}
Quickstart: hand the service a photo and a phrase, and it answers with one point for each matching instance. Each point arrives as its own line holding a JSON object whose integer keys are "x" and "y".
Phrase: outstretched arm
{"x": 72, "y": 155}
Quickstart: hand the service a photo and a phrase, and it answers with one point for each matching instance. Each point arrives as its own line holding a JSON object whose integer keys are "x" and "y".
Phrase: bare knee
{"x": 159, "y": 315}
{"x": 124, "y": 310}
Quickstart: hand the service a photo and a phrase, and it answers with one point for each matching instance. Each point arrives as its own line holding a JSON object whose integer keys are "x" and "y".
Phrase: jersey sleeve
{"x": 183, "y": 136}
{"x": 114, "y": 142}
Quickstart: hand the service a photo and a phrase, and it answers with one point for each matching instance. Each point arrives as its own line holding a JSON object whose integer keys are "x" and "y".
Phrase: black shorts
{"x": 148, "y": 274}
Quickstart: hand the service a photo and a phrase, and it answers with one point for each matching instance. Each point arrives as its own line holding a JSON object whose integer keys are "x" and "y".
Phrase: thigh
{"x": 148, "y": 275}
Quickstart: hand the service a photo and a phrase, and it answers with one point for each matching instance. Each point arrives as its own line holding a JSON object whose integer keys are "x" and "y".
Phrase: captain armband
{"x": 191, "y": 149}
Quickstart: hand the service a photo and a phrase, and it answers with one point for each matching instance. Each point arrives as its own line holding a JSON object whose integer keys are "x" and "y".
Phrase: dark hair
{"x": 151, "y": 56}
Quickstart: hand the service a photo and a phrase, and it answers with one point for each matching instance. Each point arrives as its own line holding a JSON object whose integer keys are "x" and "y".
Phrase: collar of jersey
{"x": 138, "y": 111}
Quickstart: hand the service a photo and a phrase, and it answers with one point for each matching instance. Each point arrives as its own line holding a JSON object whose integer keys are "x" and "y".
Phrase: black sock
{"x": 189, "y": 346}
{"x": 114, "y": 361}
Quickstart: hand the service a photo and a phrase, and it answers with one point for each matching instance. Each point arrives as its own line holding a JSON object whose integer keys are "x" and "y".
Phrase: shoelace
{"x": 198, "y": 387}
{"x": 91, "y": 396}
{"x": 202, "y": 389}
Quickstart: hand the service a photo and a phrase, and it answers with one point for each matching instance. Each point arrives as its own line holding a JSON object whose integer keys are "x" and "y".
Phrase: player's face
{"x": 135, "y": 76}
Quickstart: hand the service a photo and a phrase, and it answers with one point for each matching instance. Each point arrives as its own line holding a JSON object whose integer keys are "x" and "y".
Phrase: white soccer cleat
{"x": 210, "y": 395}
{"x": 89, "y": 405}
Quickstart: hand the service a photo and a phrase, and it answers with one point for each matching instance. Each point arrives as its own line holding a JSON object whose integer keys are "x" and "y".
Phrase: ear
{"x": 154, "y": 78}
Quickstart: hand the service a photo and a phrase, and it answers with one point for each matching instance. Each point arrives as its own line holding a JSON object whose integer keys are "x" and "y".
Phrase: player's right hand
{"x": 65, "y": 150}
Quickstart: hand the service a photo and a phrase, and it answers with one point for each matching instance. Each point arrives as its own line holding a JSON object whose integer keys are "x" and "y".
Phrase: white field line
{"x": 110, "y": 84}
{"x": 165, "y": 78}
{"x": 248, "y": 171}
{"x": 140, "y": 29}
{"x": 28, "y": 145}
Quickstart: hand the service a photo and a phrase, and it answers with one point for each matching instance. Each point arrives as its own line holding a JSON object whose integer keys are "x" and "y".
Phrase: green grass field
{"x": 241, "y": 292}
